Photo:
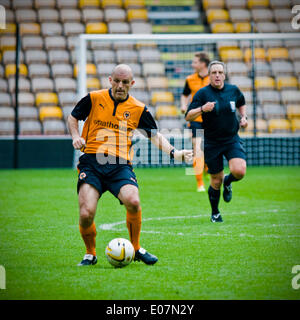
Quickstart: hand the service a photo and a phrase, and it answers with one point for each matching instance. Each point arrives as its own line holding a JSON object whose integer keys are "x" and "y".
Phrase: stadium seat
{"x": 293, "y": 111}
{"x": 61, "y": 70}
{"x": 141, "y": 96}
{"x": 279, "y": 126}
{"x": 258, "y": 3}
{"x": 295, "y": 125}
{"x": 262, "y": 68}
{"x": 286, "y": 82}
{"x": 7, "y": 113}
{"x": 261, "y": 126}
{"x": 9, "y": 30}
{"x": 89, "y": 56}
{"x": 126, "y": 56}
{"x": 54, "y": 127}
{"x": 213, "y": 4}
{"x": 52, "y": 112}
{"x": 104, "y": 69}
{"x": 58, "y": 56}
{"x": 153, "y": 68}
{"x": 277, "y": 43}
{"x": 274, "y": 111}
{"x": 9, "y": 57}
{"x": 91, "y": 70}
{"x": 295, "y": 54}
{"x": 236, "y": 4}
{"x": 162, "y": 97}
{"x": 222, "y": 27}
{"x": 42, "y": 85}
{"x": 5, "y": 99}
{"x": 240, "y": 15}
{"x": 118, "y": 27}
{"x": 7, "y": 127}
{"x": 264, "y": 83}
{"x": 296, "y": 65}
{"x": 111, "y": 3}
{"x": 26, "y": 15}
{"x": 67, "y": 98}
{"x": 282, "y": 14}
{"x": 55, "y": 43}
{"x": 114, "y": 14}
{"x": 105, "y": 83}
{"x": 268, "y": 96}
{"x": 67, "y": 111}
{"x": 29, "y": 29}
{"x": 277, "y": 54}
{"x": 163, "y": 111}
{"x": 38, "y": 4}
{"x": 149, "y": 55}
{"x": 139, "y": 83}
{"x": 89, "y": 4}
{"x": 250, "y": 110}
{"x": 70, "y": 15}
{"x": 35, "y": 56}
{"x": 286, "y": 26}
{"x": 232, "y": 44}
{"x": 275, "y": 4}
{"x": 102, "y": 56}
{"x": 136, "y": 69}
{"x": 65, "y": 84}
{"x": 134, "y": 4}
{"x": 73, "y": 28}
{"x": 141, "y": 27}
{"x": 96, "y": 27}
{"x": 30, "y": 127}
{"x": 24, "y": 85}
{"x": 267, "y": 27}
{"x": 46, "y": 99}
{"x": 48, "y": 15}
{"x": 259, "y": 54}
{"x": 9, "y": 14}
{"x": 137, "y": 15}
{"x": 38, "y": 70}
{"x": 243, "y": 82}
{"x": 262, "y": 15}
{"x": 93, "y": 84}
{"x": 155, "y": 83}
{"x": 92, "y": 15}
{"x": 10, "y": 70}
{"x": 28, "y": 113}
{"x": 217, "y": 15}
{"x": 32, "y": 43}
{"x": 240, "y": 27}
{"x": 3, "y": 85}
{"x": 236, "y": 68}
{"x": 8, "y": 43}
{"x": 231, "y": 54}
{"x": 290, "y": 96}
{"x": 282, "y": 67}
{"x": 26, "y": 99}
{"x": 51, "y": 29}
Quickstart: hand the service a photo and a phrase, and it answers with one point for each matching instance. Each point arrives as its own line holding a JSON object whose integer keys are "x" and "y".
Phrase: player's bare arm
{"x": 243, "y": 114}
{"x": 194, "y": 113}
{"x": 78, "y": 142}
{"x": 163, "y": 144}
{"x": 184, "y": 101}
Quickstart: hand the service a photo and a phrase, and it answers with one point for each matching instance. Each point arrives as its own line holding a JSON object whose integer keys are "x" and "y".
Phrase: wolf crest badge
{"x": 126, "y": 115}
{"x": 232, "y": 105}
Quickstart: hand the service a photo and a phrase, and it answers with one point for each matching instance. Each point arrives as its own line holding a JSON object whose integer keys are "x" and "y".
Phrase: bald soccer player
{"x": 111, "y": 116}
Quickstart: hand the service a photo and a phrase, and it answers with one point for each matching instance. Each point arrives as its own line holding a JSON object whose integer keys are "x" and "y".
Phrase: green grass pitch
{"x": 249, "y": 256}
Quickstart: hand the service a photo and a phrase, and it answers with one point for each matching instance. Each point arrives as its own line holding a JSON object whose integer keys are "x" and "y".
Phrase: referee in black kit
{"x": 217, "y": 103}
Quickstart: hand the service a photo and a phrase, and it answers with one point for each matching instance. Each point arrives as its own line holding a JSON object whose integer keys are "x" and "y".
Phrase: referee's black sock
{"x": 230, "y": 178}
{"x": 214, "y": 198}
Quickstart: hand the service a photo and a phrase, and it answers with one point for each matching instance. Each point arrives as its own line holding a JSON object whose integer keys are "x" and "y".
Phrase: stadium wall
{"x": 41, "y": 152}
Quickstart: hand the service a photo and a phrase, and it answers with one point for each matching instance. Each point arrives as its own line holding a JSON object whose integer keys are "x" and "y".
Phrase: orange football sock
{"x": 134, "y": 225}
{"x": 198, "y": 165}
{"x": 89, "y": 237}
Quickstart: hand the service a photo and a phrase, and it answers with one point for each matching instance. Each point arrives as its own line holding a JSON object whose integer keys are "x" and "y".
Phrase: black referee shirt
{"x": 221, "y": 124}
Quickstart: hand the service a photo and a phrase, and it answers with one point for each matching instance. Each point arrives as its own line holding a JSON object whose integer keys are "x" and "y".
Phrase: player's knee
{"x": 133, "y": 203}
{"x": 86, "y": 214}
{"x": 239, "y": 172}
{"x": 216, "y": 182}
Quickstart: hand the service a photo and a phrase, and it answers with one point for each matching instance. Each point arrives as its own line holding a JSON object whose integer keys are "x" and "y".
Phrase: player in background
{"x": 217, "y": 103}
{"x": 193, "y": 83}
{"x": 111, "y": 116}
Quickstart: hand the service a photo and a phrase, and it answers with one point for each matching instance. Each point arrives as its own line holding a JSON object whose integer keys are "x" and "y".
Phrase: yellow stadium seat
{"x": 30, "y": 29}
{"x": 209, "y": 4}
{"x": 241, "y": 27}
{"x": 259, "y": 54}
{"x": 293, "y": 111}
{"x": 231, "y": 54}
{"x": 217, "y": 15}
{"x": 222, "y": 27}
{"x": 46, "y": 98}
{"x": 261, "y": 126}
{"x": 264, "y": 83}
{"x": 277, "y": 53}
{"x": 157, "y": 83}
{"x": 89, "y": 4}
{"x": 162, "y": 97}
{"x": 134, "y": 4}
{"x": 93, "y": 83}
{"x": 166, "y": 111}
{"x": 279, "y": 125}
{"x": 137, "y": 14}
{"x": 91, "y": 70}
{"x": 257, "y": 3}
{"x": 10, "y": 28}
{"x": 96, "y": 27}
{"x": 52, "y": 112}
{"x": 286, "y": 82}
{"x": 111, "y": 3}
{"x": 295, "y": 125}
{"x": 10, "y": 70}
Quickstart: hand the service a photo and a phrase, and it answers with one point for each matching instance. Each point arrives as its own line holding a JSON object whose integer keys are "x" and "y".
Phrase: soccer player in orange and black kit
{"x": 111, "y": 116}
{"x": 193, "y": 83}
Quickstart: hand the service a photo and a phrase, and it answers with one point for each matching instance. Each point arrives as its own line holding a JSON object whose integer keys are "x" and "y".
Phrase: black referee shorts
{"x": 104, "y": 177}
{"x": 213, "y": 154}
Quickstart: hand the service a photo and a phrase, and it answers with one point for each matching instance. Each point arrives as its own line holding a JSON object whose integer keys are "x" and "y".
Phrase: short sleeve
{"x": 186, "y": 90}
{"x": 147, "y": 124}
{"x": 82, "y": 108}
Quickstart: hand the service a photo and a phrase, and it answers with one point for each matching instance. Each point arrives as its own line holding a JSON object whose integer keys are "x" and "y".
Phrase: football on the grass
{"x": 119, "y": 252}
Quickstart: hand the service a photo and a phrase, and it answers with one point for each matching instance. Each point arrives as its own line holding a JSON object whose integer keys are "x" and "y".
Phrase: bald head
{"x": 121, "y": 81}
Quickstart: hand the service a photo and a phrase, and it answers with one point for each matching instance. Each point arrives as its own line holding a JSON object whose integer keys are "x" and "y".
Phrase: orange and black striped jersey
{"x": 109, "y": 124}
{"x": 194, "y": 83}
